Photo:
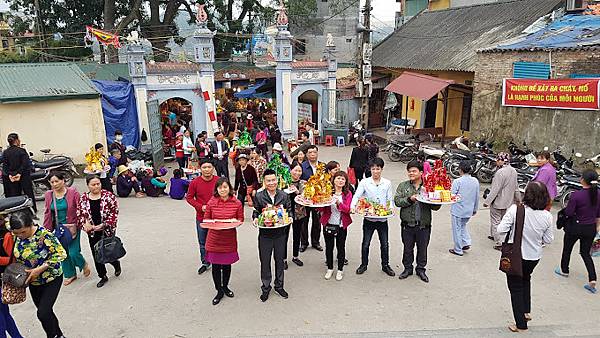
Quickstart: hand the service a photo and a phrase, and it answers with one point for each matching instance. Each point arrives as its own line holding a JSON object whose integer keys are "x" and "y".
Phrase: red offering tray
{"x": 220, "y": 224}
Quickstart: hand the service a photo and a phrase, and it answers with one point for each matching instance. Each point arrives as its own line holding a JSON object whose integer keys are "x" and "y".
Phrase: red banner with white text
{"x": 579, "y": 94}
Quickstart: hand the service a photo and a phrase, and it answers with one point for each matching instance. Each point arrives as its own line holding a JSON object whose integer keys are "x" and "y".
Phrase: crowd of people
{"x": 213, "y": 196}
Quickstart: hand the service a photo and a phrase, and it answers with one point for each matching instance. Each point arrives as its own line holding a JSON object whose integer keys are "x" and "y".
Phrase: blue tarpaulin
{"x": 119, "y": 110}
{"x": 256, "y": 91}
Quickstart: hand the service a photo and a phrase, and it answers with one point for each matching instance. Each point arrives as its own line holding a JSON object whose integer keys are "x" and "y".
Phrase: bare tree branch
{"x": 134, "y": 14}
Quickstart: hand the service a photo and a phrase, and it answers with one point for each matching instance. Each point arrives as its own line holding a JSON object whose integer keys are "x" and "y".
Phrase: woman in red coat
{"x": 221, "y": 245}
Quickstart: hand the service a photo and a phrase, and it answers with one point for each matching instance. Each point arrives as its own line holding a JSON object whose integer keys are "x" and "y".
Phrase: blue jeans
{"x": 7, "y": 323}
{"x": 460, "y": 234}
{"x": 202, "y": 232}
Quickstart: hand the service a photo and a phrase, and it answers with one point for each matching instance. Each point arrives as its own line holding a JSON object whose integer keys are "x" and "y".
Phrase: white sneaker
{"x": 339, "y": 275}
{"x": 328, "y": 274}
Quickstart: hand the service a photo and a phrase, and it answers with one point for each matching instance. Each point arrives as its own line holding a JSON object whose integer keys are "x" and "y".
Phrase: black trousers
{"x": 221, "y": 274}
{"x": 585, "y": 234}
{"x": 359, "y": 172}
{"x": 315, "y": 230}
{"x": 44, "y": 296}
{"x": 410, "y": 237}
{"x": 340, "y": 242}
{"x": 369, "y": 228}
{"x": 520, "y": 293}
{"x": 100, "y": 268}
{"x": 106, "y": 184}
{"x": 222, "y": 167}
{"x": 23, "y": 187}
{"x": 181, "y": 162}
{"x": 296, "y": 232}
{"x": 271, "y": 245}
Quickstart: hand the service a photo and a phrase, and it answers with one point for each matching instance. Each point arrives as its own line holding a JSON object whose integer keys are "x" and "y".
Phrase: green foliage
{"x": 14, "y": 57}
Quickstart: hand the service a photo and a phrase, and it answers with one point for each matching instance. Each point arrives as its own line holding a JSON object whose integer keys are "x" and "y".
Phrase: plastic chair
{"x": 329, "y": 140}
{"x": 341, "y": 141}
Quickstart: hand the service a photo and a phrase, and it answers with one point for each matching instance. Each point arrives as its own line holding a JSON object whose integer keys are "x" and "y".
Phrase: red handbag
{"x": 351, "y": 176}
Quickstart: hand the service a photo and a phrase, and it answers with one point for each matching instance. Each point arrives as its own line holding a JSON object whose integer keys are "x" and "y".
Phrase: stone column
{"x": 137, "y": 72}
{"x": 283, "y": 56}
{"x": 331, "y": 81}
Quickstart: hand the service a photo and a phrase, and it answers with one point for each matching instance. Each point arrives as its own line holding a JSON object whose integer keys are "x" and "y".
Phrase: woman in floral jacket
{"x": 97, "y": 214}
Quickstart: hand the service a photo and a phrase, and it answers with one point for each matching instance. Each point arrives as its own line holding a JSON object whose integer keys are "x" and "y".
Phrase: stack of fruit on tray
{"x": 273, "y": 217}
{"x": 318, "y": 190}
{"x": 245, "y": 141}
{"x": 436, "y": 185}
{"x": 95, "y": 162}
{"x": 282, "y": 171}
{"x": 368, "y": 207}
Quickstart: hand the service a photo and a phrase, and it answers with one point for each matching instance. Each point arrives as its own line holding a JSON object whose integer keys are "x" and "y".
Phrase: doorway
{"x": 308, "y": 109}
{"x": 430, "y": 113}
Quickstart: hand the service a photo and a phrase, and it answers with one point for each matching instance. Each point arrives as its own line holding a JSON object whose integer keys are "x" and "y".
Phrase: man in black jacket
{"x": 219, "y": 151}
{"x": 271, "y": 240}
{"x": 16, "y": 170}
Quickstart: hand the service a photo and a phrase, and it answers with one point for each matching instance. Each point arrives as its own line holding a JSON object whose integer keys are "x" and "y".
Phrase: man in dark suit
{"x": 219, "y": 151}
{"x": 309, "y": 167}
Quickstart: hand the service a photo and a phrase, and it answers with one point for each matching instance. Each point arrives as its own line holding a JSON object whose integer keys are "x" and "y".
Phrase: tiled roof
{"x": 448, "y": 39}
{"x": 43, "y": 81}
{"x": 309, "y": 64}
{"x": 236, "y": 70}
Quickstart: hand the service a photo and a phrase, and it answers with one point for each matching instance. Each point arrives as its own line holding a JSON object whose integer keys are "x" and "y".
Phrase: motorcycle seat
{"x": 36, "y": 175}
{"x": 45, "y": 151}
{"x": 49, "y": 163}
{"x": 572, "y": 178}
{"x": 9, "y": 204}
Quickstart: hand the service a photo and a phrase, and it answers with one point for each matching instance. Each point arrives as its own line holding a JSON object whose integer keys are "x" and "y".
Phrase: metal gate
{"x": 158, "y": 155}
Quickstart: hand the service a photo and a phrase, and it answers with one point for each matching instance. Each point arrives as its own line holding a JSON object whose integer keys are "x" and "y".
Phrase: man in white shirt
{"x": 378, "y": 189}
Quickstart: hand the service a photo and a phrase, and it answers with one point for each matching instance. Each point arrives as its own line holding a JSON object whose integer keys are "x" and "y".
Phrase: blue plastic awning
{"x": 256, "y": 91}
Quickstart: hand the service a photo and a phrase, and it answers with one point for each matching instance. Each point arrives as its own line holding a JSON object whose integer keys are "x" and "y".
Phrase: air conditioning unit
{"x": 576, "y": 5}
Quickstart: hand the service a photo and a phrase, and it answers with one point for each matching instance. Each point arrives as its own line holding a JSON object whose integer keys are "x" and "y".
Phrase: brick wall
{"x": 574, "y": 129}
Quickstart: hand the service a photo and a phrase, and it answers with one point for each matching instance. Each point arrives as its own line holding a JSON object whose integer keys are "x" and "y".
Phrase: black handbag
{"x": 332, "y": 229}
{"x": 15, "y": 274}
{"x": 109, "y": 249}
{"x": 563, "y": 221}
{"x": 511, "y": 261}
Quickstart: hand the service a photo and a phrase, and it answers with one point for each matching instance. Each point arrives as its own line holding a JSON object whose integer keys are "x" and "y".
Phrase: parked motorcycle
{"x": 520, "y": 157}
{"x": 58, "y": 164}
{"x": 12, "y": 204}
{"x": 41, "y": 183}
{"x": 355, "y": 131}
{"x": 595, "y": 161}
{"x": 570, "y": 184}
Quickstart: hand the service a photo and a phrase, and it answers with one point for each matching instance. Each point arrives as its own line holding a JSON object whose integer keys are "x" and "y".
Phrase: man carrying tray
{"x": 379, "y": 190}
{"x": 271, "y": 241}
{"x": 415, "y": 219}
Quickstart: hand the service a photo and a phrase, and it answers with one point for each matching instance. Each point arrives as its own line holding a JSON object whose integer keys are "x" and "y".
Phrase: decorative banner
{"x": 103, "y": 37}
{"x": 581, "y": 94}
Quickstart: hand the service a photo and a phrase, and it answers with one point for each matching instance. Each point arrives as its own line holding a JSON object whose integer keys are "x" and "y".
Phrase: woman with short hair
{"x": 537, "y": 231}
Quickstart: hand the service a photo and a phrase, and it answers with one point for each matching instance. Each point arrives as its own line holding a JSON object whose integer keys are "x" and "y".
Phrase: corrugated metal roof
{"x": 570, "y": 32}
{"x": 104, "y": 71}
{"x": 448, "y": 39}
{"x": 43, "y": 81}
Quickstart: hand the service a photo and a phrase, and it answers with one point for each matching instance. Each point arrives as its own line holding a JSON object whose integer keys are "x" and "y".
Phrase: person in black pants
{"x": 16, "y": 170}
{"x": 97, "y": 213}
{"x": 309, "y": 167}
{"x": 300, "y": 216}
{"x": 271, "y": 242}
{"x": 359, "y": 160}
{"x": 584, "y": 206}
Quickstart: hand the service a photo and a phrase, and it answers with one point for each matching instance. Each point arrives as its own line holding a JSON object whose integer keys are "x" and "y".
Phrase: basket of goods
{"x": 436, "y": 187}
{"x": 245, "y": 140}
{"x": 273, "y": 217}
{"x": 95, "y": 162}
{"x": 318, "y": 190}
{"x": 220, "y": 224}
{"x": 373, "y": 209}
{"x": 281, "y": 170}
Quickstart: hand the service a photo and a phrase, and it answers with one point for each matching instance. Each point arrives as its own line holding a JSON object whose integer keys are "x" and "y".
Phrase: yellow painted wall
{"x": 438, "y": 4}
{"x": 68, "y": 127}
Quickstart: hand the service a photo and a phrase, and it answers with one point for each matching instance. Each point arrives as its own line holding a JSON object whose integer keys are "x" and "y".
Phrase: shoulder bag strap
{"x": 55, "y": 211}
{"x": 519, "y": 223}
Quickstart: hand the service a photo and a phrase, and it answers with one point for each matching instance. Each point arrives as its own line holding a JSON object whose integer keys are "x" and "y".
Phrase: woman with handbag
{"x": 246, "y": 180}
{"x": 584, "y": 209}
{"x": 61, "y": 210}
{"x": 41, "y": 253}
{"x": 7, "y": 323}
{"x": 221, "y": 245}
{"x": 300, "y": 214}
{"x": 535, "y": 225}
{"x": 97, "y": 213}
{"x": 335, "y": 220}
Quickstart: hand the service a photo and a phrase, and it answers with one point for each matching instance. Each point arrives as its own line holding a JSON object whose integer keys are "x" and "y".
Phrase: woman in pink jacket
{"x": 335, "y": 220}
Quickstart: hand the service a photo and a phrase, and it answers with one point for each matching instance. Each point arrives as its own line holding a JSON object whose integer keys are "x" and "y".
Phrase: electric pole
{"x": 365, "y": 64}
{"x": 251, "y": 49}
{"x": 40, "y": 29}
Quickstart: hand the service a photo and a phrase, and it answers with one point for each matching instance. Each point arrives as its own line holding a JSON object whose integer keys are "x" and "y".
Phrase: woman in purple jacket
{"x": 584, "y": 205}
{"x": 61, "y": 208}
{"x": 335, "y": 220}
{"x": 546, "y": 174}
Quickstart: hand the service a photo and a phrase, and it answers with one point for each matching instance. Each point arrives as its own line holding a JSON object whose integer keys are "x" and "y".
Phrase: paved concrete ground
{"x": 160, "y": 294}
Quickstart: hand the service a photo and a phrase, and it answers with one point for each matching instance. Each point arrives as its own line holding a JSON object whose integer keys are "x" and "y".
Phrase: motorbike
{"x": 355, "y": 131}
{"x": 41, "y": 183}
{"x": 59, "y": 164}
{"x": 520, "y": 157}
{"x": 403, "y": 149}
{"x": 595, "y": 161}
{"x": 12, "y": 204}
{"x": 569, "y": 184}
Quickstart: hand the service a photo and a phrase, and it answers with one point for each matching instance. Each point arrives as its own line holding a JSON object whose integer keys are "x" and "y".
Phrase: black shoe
{"x": 297, "y": 261}
{"x": 491, "y": 238}
{"x": 264, "y": 296}
{"x": 228, "y": 292}
{"x": 405, "y": 274}
{"x": 468, "y": 247}
{"x": 118, "y": 272}
{"x": 318, "y": 247}
{"x": 217, "y": 298}
{"x": 361, "y": 269}
{"x": 302, "y": 248}
{"x": 423, "y": 276}
{"x": 202, "y": 269}
{"x": 102, "y": 281}
{"x": 345, "y": 261}
{"x": 282, "y": 293}
{"x": 388, "y": 270}
{"x": 285, "y": 265}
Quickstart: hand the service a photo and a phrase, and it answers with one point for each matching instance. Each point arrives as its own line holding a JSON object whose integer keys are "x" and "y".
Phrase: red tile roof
{"x": 309, "y": 64}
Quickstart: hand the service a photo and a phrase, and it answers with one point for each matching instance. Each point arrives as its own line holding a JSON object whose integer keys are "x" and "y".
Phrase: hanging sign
{"x": 103, "y": 37}
{"x": 580, "y": 94}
